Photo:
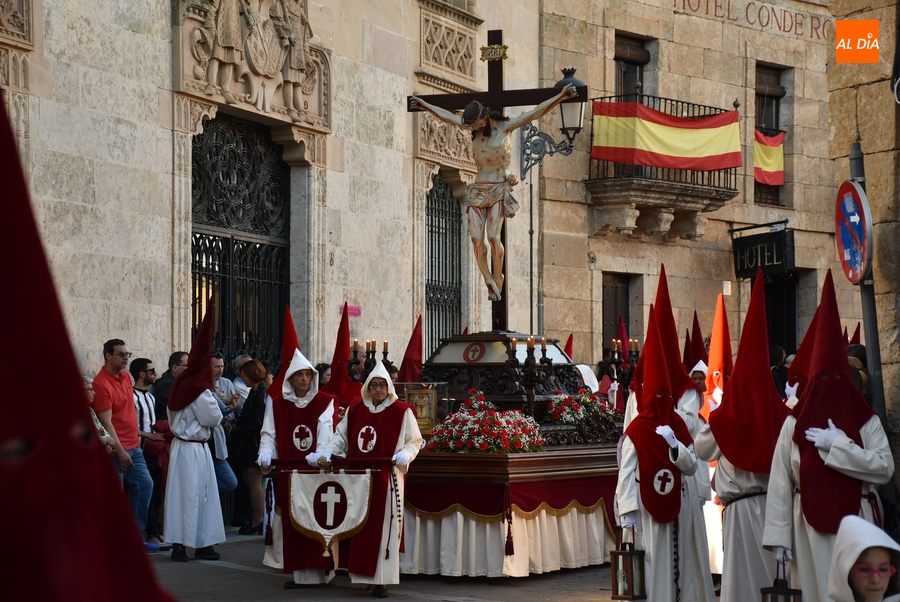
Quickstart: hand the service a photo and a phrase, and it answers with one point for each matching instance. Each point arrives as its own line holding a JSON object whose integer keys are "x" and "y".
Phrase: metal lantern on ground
{"x": 780, "y": 590}
{"x": 571, "y": 113}
{"x": 628, "y": 571}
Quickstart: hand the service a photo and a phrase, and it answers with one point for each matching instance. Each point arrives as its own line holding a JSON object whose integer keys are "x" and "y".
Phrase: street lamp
{"x": 536, "y": 144}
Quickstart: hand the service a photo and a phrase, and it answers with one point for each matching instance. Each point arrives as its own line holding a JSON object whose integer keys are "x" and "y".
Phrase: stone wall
{"x": 861, "y": 101}
{"x": 704, "y": 53}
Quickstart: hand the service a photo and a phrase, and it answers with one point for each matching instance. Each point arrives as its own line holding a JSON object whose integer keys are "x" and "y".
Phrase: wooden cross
{"x": 497, "y": 99}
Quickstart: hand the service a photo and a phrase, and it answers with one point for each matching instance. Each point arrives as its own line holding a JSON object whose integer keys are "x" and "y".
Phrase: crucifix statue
{"x": 489, "y": 200}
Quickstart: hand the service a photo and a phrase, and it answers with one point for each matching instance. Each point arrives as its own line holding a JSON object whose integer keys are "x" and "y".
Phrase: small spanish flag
{"x": 768, "y": 159}
{"x": 629, "y": 132}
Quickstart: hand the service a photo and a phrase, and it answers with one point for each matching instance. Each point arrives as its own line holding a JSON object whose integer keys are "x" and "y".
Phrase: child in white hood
{"x": 864, "y": 564}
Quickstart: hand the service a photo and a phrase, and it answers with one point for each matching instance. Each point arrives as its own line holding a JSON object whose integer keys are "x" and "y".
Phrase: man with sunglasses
{"x": 114, "y": 406}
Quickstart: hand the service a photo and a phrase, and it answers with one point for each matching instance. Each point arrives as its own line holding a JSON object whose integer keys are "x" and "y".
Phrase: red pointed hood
{"x": 798, "y": 371}
{"x": 289, "y": 344}
{"x": 73, "y": 529}
{"x": 197, "y": 377}
{"x": 569, "y": 343}
{"x": 846, "y": 338}
{"x": 752, "y": 409}
{"x": 686, "y": 357}
{"x": 411, "y": 366}
{"x": 622, "y": 335}
{"x": 657, "y": 469}
{"x": 668, "y": 336}
{"x": 341, "y": 385}
{"x": 855, "y": 339}
{"x": 698, "y": 349}
{"x": 828, "y": 495}
{"x": 637, "y": 382}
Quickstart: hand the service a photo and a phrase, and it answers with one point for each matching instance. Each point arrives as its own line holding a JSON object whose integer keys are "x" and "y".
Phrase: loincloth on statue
{"x": 484, "y": 195}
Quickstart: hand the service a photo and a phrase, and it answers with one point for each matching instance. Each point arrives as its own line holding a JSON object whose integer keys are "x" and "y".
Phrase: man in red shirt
{"x": 114, "y": 406}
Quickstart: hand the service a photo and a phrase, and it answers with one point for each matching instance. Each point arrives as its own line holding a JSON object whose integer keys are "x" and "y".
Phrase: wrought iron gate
{"x": 239, "y": 242}
{"x": 443, "y": 283}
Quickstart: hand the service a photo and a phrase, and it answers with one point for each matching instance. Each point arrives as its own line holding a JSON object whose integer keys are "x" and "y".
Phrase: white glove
{"x": 627, "y": 520}
{"x": 790, "y": 390}
{"x": 401, "y": 458}
{"x": 613, "y": 387}
{"x": 313, "y": 459}
{"x": 823, "y": 438}
{"x": 666, "y": 432}
{"x": 264, "y": 460}
{"x": 782, "y": 554}
{"x": 717, "y": 397}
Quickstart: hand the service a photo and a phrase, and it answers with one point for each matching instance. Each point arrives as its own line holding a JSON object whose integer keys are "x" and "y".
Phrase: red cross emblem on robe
{"x": 303, "y": 437}
{"x": 366, "y": 439}
{"x": 664, "y": 481}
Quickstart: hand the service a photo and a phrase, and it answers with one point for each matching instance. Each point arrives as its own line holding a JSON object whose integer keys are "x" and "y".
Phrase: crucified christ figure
{"x": 489, "y": 199}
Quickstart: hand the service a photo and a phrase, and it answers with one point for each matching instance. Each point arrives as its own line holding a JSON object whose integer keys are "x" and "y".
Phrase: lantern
{"x": 571, "y": 114}
{"x": 780, "y": 590}
{"x": 628, "y": 571}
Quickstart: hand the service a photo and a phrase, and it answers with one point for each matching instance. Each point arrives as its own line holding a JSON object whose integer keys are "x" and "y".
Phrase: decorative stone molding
{"x": 182, "y": 166}
{"x": 655, "y": 222}
{"x": 669, "y": 208}
{"x": 14, "y": 69}
{"x": 18, "y": 110}
{"x": 190, "y": 114}
{"x": 16, "y": 23}
{"x": 621, "y": 218}
{"x": 300, "y": 146}
{"x": 688, "y": 225}
{"x": 448, "y": 46}
{"x": 443, "y": 143}
{"x": 424, "y": 176}
{"x": 264, "y": 62}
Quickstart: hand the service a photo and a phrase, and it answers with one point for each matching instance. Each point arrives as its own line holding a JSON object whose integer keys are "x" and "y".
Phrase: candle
{"x": 530, "y": 342}
{"x": 543, "y": 343}
{"x": 368, "y": 345}
{"x": 514, "y": 342}
{"x": 385, "y": 346}
{"x": 637, "y": 345}
{"x": 355, "y": 345}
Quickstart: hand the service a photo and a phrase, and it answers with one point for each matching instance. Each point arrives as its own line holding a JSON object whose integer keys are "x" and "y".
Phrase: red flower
{"x": 582, "y": 391}
{"x": 445, "y": 444}
{"x": 483, "y": 446}
{"x": 518, "y": 444}
{"x": 473, "y": 391}
{"x": 470, "y": 444}
{"x": 459, "y": 444}
{"x": 480, "y": 398}
{"x": 505, "y": 443}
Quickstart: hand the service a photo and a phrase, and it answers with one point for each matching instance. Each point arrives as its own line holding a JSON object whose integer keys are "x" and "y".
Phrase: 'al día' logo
{"x": 856, "y": 41}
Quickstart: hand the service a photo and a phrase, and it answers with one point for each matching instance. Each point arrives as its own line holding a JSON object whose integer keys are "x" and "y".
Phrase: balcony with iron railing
{"x": 639, "y": 199}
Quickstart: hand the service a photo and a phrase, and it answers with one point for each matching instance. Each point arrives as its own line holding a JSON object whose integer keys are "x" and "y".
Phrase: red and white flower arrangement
{"x": 478, "y": 427}
{"x": 572, "y": 409}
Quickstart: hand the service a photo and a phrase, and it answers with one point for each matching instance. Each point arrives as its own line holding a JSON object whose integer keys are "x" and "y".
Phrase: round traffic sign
{"x": 853, "y": 231}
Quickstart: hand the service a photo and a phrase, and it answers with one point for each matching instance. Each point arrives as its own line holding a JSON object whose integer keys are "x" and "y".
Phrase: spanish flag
{"x": 629, "y": 132}
{"x": 768, "y": 159}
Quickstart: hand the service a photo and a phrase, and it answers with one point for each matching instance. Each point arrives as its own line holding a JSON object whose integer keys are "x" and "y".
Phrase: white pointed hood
{"x": 853, "y": 537}
{"x": 700, "y": 367}
{"x": 299, "y": 362}
{"x": 379, "y": 372}
{"x": 590, "y": 379}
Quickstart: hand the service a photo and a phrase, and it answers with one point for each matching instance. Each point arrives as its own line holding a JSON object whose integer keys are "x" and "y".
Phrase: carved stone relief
{"x": 14, "y": 69}
{"x": 257, "y": 55}
{"x": 15, "y": 23}
{"x": 443, "y": 143}
{"x": 448, "y": 46}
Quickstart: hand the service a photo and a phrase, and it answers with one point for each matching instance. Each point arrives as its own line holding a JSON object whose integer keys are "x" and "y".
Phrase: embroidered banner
{"x": 330, "y": 507}
{"x": 629, "y": 132}
{"x": 768, "y": 159}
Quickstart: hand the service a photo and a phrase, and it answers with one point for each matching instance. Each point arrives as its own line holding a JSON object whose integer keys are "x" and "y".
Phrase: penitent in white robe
{"x": 747, "y": 567}
{"x": 786, "y": 525}
{"x": 193, "y": 512}
{"x": 657, "y": 540}
{"x": 387, "y": 572}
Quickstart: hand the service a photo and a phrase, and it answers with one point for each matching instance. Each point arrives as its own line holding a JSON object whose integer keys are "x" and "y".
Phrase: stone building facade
{"x": 117, "y": 106}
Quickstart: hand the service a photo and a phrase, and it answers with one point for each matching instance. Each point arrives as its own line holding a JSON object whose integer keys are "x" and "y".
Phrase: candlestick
{"x": 385, "y": 346}
{"x": 513, "y": 343}
{"x": 355, "y": 345}
{"x": 543, "y": 343}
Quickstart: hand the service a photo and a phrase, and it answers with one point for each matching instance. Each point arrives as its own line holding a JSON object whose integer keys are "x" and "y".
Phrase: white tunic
{"x": 193, "y": 512}
{"x": 657, "y": 539}
{"x": 786, "y": 525}
{"x": 747, "y": 567}
{"x": 410, "y": 440}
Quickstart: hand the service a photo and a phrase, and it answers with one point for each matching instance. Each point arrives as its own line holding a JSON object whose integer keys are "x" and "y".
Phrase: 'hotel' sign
{"x": 772, "y": 251}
